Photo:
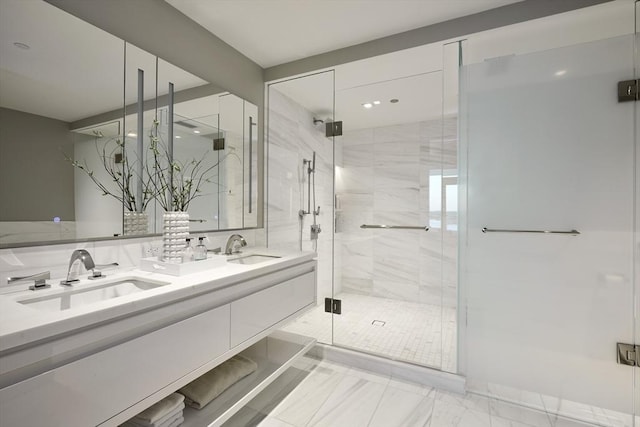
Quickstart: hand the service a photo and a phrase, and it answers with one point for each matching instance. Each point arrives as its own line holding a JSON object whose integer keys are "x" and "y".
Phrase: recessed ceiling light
{"x": 178, "y": 136}
{"x": 394, "y": 100}
{"x": 561, "y": 73}
{"x": 196, "y": 131}
{"x": 376, "y": 102}
{"x": 21, "y": 45}
{"x": 132, "y": 134}
{"x": 367, "y": 105}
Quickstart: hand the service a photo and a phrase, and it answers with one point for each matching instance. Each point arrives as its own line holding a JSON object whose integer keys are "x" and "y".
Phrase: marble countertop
{"x": 21, "y": 324}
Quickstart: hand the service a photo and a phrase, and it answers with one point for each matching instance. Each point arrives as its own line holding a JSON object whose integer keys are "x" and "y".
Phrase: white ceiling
{"x": 279, "y": 31}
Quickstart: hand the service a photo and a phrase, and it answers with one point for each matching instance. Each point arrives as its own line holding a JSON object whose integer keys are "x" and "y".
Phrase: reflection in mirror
{"x": 52, "y": 76}
{"x": 72, "y": 94}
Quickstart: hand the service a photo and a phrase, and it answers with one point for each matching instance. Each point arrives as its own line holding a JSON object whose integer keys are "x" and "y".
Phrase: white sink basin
{"x": 81, "y": 295}
{"x": 252, "y": 259}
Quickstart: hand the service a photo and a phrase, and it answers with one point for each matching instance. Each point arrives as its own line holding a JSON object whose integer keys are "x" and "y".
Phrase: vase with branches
{"x": 121, "y": 180}
{"x": 176, "y": 183}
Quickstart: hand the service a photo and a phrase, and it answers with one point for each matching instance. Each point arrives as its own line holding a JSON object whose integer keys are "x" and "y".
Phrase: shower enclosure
{"x": 530, "y": 257}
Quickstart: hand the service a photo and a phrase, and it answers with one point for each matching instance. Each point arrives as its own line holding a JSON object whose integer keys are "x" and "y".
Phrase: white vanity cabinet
{"x": 109, "y": 385}
{"x": 91, "y": 390}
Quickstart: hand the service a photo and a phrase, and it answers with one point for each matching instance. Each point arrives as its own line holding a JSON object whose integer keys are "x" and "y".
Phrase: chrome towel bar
{"x": 403, "y": 227}
{"x": 494, "y": 230}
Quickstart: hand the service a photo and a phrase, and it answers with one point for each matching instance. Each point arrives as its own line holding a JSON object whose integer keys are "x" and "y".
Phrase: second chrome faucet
{"x": 234, "y": 239}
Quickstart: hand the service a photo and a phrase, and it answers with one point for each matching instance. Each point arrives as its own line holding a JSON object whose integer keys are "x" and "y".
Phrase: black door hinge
{"x": 333, "y": 306}
{"x": 628, "y": 90}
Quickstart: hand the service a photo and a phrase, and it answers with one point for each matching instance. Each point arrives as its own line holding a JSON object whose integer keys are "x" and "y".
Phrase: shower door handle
{"x": 495, "y": 230}
{"x": 402, "y": 227}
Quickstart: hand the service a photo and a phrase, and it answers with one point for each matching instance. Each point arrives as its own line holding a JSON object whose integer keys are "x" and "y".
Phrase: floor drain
{"x": 378, "y": 323}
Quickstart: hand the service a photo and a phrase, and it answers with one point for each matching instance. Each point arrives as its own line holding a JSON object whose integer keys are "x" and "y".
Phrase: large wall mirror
{"x": 87, "y": 124}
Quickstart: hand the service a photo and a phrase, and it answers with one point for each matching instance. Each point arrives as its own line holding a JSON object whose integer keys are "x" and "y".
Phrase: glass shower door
{"x": 396, "y": 172}
{"x": 548, "y": 158}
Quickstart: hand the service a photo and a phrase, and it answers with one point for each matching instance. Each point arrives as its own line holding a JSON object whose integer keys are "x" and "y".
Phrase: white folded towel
{"x": 200, "y": 392}
{"x": 159, "y": 413}
{"x": 177, "y": 421}
{"x": 170, "y": 422}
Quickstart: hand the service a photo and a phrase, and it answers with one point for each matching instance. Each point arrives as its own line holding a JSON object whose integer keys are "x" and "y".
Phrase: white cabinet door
{"x": 89, "y": 391}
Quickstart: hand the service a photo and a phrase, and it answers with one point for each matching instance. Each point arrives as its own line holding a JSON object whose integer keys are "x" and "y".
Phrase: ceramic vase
{"x": 135, "y": 223}
{"x": 175, "y": 229}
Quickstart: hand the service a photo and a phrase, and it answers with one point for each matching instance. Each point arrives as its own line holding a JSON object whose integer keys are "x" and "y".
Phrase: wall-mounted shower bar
{"x": 402, "y": 227}
{"x": 494, "y": 230}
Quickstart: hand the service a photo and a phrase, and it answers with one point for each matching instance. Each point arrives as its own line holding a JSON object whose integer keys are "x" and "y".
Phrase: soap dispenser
{"x": 200, "y": 251}
{"x": 187, "y": 252}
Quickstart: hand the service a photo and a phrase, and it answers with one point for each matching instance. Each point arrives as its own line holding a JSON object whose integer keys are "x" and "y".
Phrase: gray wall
{"x": 36, "y": 182}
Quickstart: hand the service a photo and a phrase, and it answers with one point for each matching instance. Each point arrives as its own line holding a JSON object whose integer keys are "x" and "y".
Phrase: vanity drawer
{"x": 91, "y": 390}
{"x": 256, "y": 312}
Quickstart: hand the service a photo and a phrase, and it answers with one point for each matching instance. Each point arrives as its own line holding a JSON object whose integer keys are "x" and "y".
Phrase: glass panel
{"x": 300, "y": 161}
{"x": 636, "y": 279}
{"x": 548, "y": 147}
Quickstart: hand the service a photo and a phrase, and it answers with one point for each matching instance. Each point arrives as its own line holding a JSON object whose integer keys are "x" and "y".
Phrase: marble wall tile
{"x": 357, "y": 156}
{"x": 402, "y": 290}
{"x": 55, "y": 258}
{"x": 403, "y": 132}
{"x": 357, "y": 180}
{"x": 397, "y": 176}
{"x": 401, "y": 200}
{"x": 398, "y": 152}
{"x": 357, "y": 285}
{"x": 357, "y": 137}
{"x": 292, "y": 138}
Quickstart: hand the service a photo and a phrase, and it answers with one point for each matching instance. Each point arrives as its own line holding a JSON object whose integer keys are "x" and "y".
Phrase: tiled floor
{"x": 423, "y": 334}
{"x": 321, "y": 393}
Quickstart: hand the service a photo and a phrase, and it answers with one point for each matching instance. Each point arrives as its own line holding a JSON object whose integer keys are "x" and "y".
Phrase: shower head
{"x": 317, "y": 122}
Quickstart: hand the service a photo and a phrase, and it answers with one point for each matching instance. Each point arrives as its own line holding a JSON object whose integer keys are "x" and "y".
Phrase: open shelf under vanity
{"x": 274, "y": 354}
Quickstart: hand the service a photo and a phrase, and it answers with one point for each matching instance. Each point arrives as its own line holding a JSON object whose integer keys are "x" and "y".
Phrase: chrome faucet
{"x": 231, "y": 243}
{"x": 82, "y": 255}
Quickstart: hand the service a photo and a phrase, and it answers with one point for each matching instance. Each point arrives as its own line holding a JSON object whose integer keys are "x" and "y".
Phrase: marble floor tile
{"x": 521, "y": 414}
{"x": 352, "y": 403}
{"x": 401, "y": 408}
{"x": 456, "y": 413}
{"x": 274, "y": 422}
{"x": 322, "y": 393}
{"x": 310, "y": 395}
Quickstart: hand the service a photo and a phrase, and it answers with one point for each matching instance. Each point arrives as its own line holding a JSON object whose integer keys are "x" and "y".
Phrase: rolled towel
{"x": 200, "y": 392}
{"x": 159, "y": 412}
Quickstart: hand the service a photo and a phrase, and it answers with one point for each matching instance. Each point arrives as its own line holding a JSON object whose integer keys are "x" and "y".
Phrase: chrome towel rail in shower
{"x": 403, "y": 227}
{"x": 494, "y": 230}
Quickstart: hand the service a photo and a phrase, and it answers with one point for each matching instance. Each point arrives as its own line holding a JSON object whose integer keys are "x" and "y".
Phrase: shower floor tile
{"x": 423, "y": 334}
